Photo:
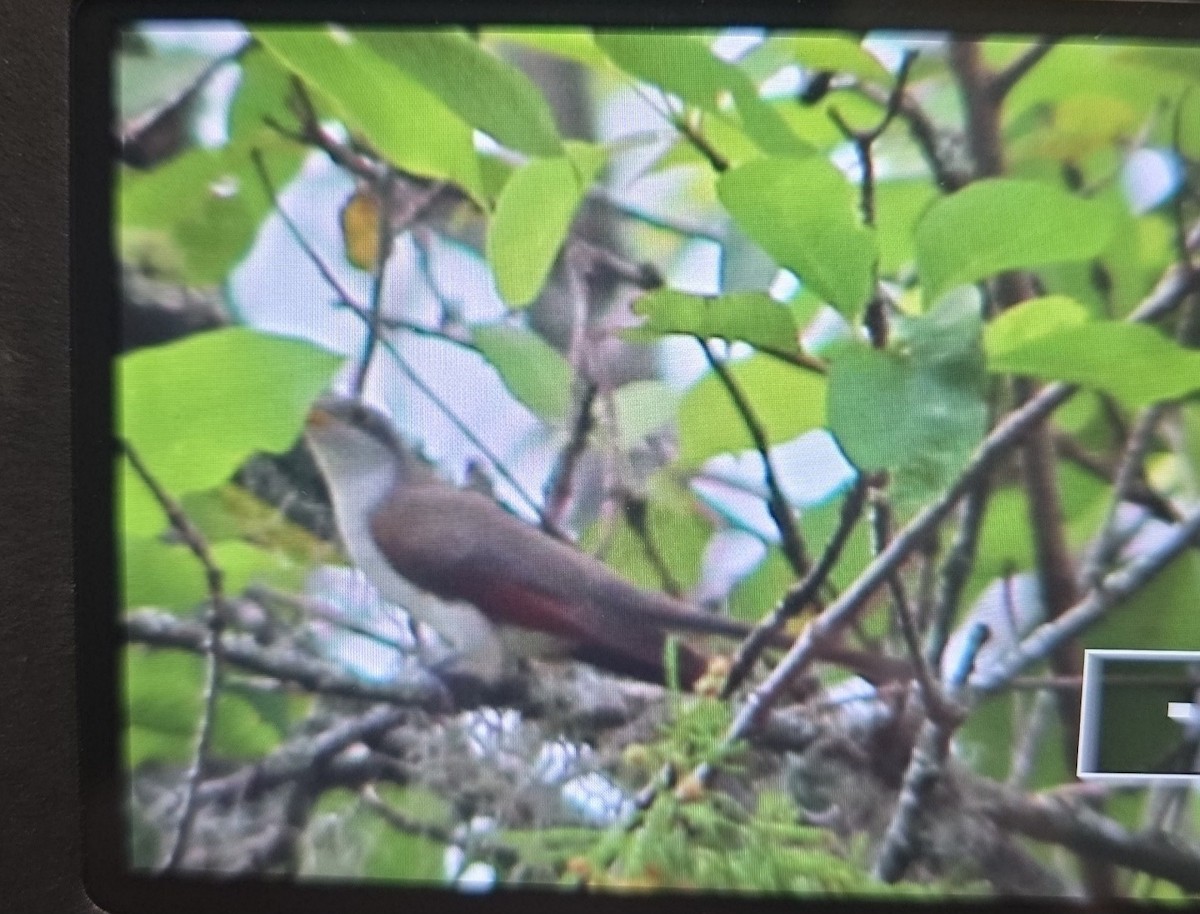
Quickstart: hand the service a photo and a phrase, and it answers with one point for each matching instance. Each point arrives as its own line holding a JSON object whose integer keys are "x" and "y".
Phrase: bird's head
{"x": 348, "y": 437}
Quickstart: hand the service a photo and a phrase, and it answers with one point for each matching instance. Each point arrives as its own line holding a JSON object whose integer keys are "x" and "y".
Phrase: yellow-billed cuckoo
{"x": 488, "y": 582}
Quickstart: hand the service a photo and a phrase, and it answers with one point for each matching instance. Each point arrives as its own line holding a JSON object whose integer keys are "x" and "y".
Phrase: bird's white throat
{"x": 360, "y": 476}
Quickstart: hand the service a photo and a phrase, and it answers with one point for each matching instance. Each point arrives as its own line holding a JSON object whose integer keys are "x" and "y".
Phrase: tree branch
{"x": 1114, "y": 588}
{"x": 210, "y": 644}
{"x": 798, "y": 597}
{"x": 781, "y": 512}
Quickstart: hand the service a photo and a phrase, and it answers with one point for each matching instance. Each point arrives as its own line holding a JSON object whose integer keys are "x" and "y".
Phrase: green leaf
{"x": 533, "y": 217}
{"x": 262, "y": 92}
{"x": 671, "y": 551}
{"x": 916, "y": 409}
{"x": 1006, "y": 224}
{"x": 899, "y": 206}
{"x": 643, "y": 407}
{"x": 574, "y": 44}
{"x": 804, "y": 213}
{"x": 399, "y": 855}
{"x": 488, "y": 93}
{"x": 403, "y": 120}
{"x": 169, "y": 576}
{"x": 164, "y": 698}
{"x": 533, "y": 371}
{"x": 751, "y": 317}
{"x": 1052, "y": 338}
{"x": 208, "y": 203}
{"x": 787, "y": 401}
{"x": 685, "y": 65}
{"x": 837, "y": 54}
{"x": 196, "y": 408}
{"x": 1018, "y": 326}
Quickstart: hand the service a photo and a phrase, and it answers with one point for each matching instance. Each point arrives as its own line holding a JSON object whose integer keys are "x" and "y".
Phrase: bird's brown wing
{"x": 462, "y": 546}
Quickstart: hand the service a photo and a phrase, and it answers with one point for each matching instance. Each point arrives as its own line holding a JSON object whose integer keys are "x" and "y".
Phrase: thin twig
{"x": 1112, "y": 590}
{"x": 777, "y": 505}
{"x": 956, "y": 570}
{"x": 415, "y": 688}
{"x": 801, "y": 595}
{"x": 1003, "y": 82}
{"x": 863, "y": 140}
{"x": 562, "y": 478}
{"x": 385, "y": 238}
{"x": 212, "y": 647}
{"x": 901, "y": 843}
{"x": 1000, "y": 442}
{"x": 1108, "y": 543}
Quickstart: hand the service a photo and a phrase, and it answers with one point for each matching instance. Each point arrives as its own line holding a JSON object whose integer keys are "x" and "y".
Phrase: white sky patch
{"x": 784, "y": 286}
{"x": 784, "y": 83}
{"x": 697, "y": 269}
{"x": 826, "y": 327}
{"x": 733, "y": 44}
{"x": 211, "y": 127}
{"x": 810, "y": 467}
{"x": 681, "y": 362}
{"x": 729, "y": 556}
{"x": 1149, "y": 178}
{"x": 210, "y": 36}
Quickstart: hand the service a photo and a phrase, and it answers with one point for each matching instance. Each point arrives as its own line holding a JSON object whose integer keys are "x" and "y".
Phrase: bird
{"x": 493, "y": 586}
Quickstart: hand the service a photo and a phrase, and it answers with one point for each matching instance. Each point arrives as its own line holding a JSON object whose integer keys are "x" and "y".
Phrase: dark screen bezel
{"x": 94, "y": 342}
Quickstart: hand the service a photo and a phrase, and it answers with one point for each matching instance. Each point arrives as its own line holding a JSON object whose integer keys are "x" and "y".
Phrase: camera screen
{"x": 739, "y": 461}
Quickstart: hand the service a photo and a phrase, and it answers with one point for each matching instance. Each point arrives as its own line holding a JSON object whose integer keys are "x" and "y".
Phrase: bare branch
{"x": 161, "y": 629}
{"x": 781, "y": 512}
{"x": 1113, "y": 589}
{"x": 1003, "y": 82}
{"x": 800, "y": 596}
{"x": 1078, "y": 827}
{"x": 901, "y": 843}
{"x": 1108, "y": 543}
{"x": 210, "y": 644}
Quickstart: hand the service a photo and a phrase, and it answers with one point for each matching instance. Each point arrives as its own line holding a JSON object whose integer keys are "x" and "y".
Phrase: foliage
{"x": 553, "y": 283}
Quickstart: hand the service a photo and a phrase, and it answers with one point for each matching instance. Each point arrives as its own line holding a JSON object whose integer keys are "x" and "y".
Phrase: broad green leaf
{"x": 917, "y": 408}
{"x": 898, "y": 208}
{"x": 787, "y": 401}
{"x": 1087, "y": 67}
{"x": 169, "y": 576}
{"x": 533, "y": 218}
{"x": 1006, "y": 224}
{"x": 1050, "y": 338}
{"x": 209, "y": 204}
{"x": 406, "y": 122}
{"x": 836, "y": 53}
{"x": 804, "y": 213}
{"x": 643, "y": 407}
{"x": 573, "y": 44}
{"x": 685, "y": 65}
{"x": 402, "y": 856}
{"x": 667, "y": 551}
{"x": 262, "y": 91}
{"x": 1020, "y": 325}
{"x": 1079, "y": 126}
{"x": 163, "y": 702}
{"x": 751, "y": 317}
{"x": 488, "y": 93}
{"x": 533, "y": 371}
{"x": 196, "y": 408}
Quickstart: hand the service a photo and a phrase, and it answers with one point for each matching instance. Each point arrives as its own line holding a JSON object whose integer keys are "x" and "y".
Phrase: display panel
{"x": 630, "y": 460}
